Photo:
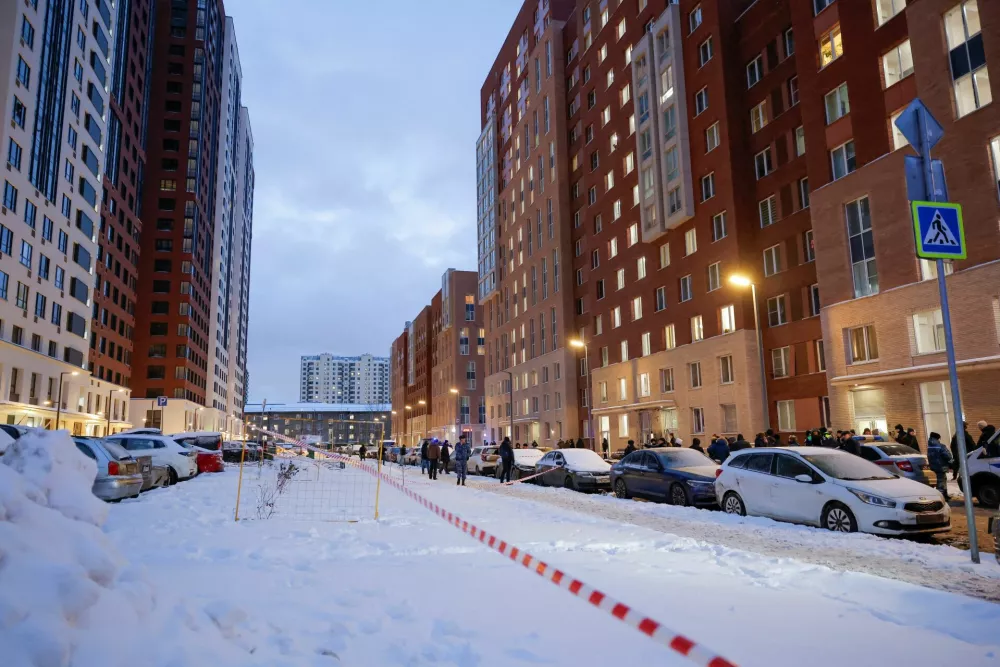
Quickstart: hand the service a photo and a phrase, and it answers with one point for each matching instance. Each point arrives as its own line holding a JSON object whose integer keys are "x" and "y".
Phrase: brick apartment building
{"x": 437, "y": 366}
{"x": 881, "y": 316}
{"x": 659, "y": 148}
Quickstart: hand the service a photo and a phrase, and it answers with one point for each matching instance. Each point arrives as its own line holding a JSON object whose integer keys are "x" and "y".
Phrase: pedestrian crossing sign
{"x": 938, "y": 230}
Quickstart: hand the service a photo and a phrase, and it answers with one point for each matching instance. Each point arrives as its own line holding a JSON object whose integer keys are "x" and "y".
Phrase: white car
{"x": 828, "y": 488}
{"x": 483, "y": 460}
{"x": 984, "y": 473}
{"x": 181, "y": 461}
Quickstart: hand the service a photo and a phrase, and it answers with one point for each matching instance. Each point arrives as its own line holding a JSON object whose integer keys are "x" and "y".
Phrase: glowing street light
{"x": 743, "y": 281}
{"x": 582, "y": 345}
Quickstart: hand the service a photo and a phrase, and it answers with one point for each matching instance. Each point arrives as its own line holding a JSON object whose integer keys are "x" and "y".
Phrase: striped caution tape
{"x": 696, "y": 653}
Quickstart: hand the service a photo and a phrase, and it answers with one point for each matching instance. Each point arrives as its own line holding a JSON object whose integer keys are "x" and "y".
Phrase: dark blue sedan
{"x": 671, "y": 475}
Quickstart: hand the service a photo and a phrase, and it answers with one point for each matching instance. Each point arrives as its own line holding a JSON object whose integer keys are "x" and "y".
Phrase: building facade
{"x": 438, "y": 365}
{"x": 882, "y": 325}
{"x": 64, "y": 64}
{"x": 362, "y": 379}
{"x": 331, "y": 423}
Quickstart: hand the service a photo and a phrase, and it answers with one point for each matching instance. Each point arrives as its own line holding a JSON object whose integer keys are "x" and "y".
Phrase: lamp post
{"x": 510, "y": 400}
{"x": 409, "y": 426}
{"x": 59, "y": 397}
{"x": 743, "y": 281}
{"x": 581, "y": 344}
{"x": 107, "y": 408}
{"x": 458, "y": 410}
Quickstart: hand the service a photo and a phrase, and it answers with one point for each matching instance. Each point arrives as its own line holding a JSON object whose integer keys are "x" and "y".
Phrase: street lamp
{"x": 107, "y": 408}
{"x": 510, "y": 399}
{"x": 739, "y": 280}
{"x": 582, "y": 345}
{"x": 59, "y": 398}
{"x": 409, "y": 427}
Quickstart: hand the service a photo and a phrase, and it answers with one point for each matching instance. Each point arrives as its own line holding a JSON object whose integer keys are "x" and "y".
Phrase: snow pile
{"x": 67, "y": 597}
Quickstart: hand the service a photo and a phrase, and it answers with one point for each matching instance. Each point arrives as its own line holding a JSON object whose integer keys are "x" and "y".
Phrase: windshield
{"x": 848, "y": 467}
{"x": 683, "y": 458}
{"x": 898, "y": 450}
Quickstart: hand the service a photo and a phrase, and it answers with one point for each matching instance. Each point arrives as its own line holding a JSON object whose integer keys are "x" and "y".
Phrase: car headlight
{"x": 585, "y": 474}
{"x": 870, "y": 499}
{"x": 696, "y": 484}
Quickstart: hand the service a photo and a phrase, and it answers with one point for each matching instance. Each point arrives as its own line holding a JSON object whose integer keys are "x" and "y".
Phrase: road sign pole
{"x": 940, "y": 194}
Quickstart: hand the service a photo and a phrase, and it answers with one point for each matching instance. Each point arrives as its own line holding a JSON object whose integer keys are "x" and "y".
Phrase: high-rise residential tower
{"x": 328, "y": 378}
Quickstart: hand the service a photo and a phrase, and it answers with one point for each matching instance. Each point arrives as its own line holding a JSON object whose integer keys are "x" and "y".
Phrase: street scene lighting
{"x": 740, "y": 280}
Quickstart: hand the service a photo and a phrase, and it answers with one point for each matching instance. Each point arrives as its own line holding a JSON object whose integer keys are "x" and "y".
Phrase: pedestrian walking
{"x": 629, "y": 448}
{"x": 718, "y": 451}
{"x": 433, "y": 455}
{"x": 445, "y": 456}
{"x": 956, "y": 458}
{"x": 401, "y": 454}
{"x": 423, "y": 456}
{"x": 696, "y": 446}
{"x": 363, "y": 452}
{"x": 462, "y": 454}
{"x": 606, "y": 448}
{"x": 940, "y": 460}
{"x": 506, "y": 460}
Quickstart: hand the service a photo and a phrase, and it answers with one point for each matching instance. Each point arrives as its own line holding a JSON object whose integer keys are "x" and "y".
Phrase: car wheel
{"x": 838, "y": 518}
{"x": 568, "y": 483}
{"x": 621, "y": 491}
{"x": 171, "y": 476}
{"x": 988, "y": 494}
{"x": 733, "y": 504}
{"x": 678, "y": 495}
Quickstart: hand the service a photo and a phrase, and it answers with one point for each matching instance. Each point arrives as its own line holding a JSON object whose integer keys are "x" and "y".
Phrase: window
{"x": 712, "y": 138}
{"x": 694, "y": 374}
{"x": 623, "y": 426}
{"x": 814, "y": 304}
{"x": 820, "y": 355}
{"x": 694, "y": 18}
{"x": 697, "y": 420}
{"x": 727, "y": 319}
{"x": 708, "y": 186}
{"x": 719, "y": 226}
{"x": 705, "y": 52}
{"x": 714, "y": 276}
{"x": 793, "y": 91}
{"x": 928, "y": 269}
{"x": 780, "y": 361}
{"x": 664, "y": 255}
{"x": 800, "y": 141}
{"x": 842, "y": 160}
{"x": 837, "y": 103}
{"x": 637, "y": 308}
{"x": 661, "y": 298}
{"x": 776, "y": 311}
{"x": 27, "y": 33}
{"x": 616, "y": 317}
{"x": 786, "y": 409}
{"x": 700, "y": 101}
{"x": 971, "y": 80}
{"x": 755, "y": 71}
{"x": 830, "y": 47}
{"x": 26, "y": 253}
{"x": 763, "y": 163}
{"x": 622, "y": 389}
{"x": 789, "y": 43}
{"x": 613, "y": 247}
{"x": 669, "y": 337}
{"x": 21, "y": 301}
{"x": 671, "y": 166}
{"x": 928, "y": 331}
{"x": 10, "y": 197}
{"x": 862, "y": 247}
{"x": 863, "y": 344}
{"x": 620, "y": 278}
{"x": 885, "y": 10}
{"x": 726, "y": 374}
{"x": 897, "y": 64}
{"x": 14, "y": 154}
{"x": 18, "y": 113}
{"x": 690, "y": 241}
{"x": 23, "y": 73}
{"x": 640, "y": 268}
{"x": 758, "y": 117}
{"x": 936, "y": 404}
{"x": 768, "y": 210}
{"x": 697, "y": 329}
{"x": 772, "y": 260}
{"x": 685, "y": 288}
{"x": 633, "y": 234}
{"x": 666, "y": 380}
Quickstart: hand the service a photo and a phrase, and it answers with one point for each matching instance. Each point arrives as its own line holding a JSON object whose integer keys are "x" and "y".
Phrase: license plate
{"x": 930, "y": 518}
{"x": 604, "y": 479}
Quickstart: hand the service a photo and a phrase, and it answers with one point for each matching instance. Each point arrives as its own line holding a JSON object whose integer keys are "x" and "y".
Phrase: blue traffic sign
{"x": 938, "y": 230}
{"x": 919, "y": 126}
{"x": 161, "y": 401}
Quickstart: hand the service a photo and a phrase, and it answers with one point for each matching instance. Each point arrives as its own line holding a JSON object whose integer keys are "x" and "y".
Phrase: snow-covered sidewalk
{"x": 932, "y": 565}
{"x": 411, "y": 590}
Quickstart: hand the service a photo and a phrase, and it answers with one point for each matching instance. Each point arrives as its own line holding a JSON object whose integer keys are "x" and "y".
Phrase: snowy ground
{"x": 412, "y": 590}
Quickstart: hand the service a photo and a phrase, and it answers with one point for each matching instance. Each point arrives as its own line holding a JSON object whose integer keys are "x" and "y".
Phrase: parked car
{"x": 675, "y": 476}
{"x": 578, "y": 469}
{"x": 5, "y": 440}
{"x": 898, "y": 459}
{"x": 984, "y": 474}
{"x": 161, "y": 476}
{"x": 182, "y": 461}
{"x": 828, "y": 488}
{"x": 524, "y": 463}
{"x": 412, "y": 456}
{"x": 483, "y": 460}
{"x": 208, "y": 448}
{"x": 118, "y": 474}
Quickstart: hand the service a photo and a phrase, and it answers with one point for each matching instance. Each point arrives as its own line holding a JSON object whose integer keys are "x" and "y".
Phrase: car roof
{"x": 794, "y": 450}
{"x": 193, "y": 434}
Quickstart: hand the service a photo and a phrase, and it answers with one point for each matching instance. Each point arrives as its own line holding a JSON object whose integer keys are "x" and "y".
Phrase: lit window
{"x": 830, "y": 47}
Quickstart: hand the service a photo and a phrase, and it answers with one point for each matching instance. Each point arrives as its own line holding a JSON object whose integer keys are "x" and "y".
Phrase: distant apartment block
{"x": 328, "y": 378}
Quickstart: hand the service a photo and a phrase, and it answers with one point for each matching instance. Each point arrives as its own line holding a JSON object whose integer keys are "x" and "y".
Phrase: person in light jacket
{"x": 433, "y": 455}
{"x": 462, "y": 454}
{"x": 939, "y": 459}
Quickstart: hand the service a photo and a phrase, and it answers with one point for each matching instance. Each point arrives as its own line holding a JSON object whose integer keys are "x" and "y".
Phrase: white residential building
{"x": 326, "y": 378}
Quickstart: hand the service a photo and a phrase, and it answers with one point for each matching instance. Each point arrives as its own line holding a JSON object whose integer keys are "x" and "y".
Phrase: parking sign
{"x": 161, "y": 401}
{"x": 938, "y": 230}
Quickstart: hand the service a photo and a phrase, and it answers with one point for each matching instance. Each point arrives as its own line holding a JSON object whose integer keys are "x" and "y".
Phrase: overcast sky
{"x": 365, "y": 117}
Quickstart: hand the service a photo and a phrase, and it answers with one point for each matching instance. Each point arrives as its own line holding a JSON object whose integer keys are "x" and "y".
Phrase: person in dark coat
{"x": 910, "y": 439}
{"x": 696, "y": 445}
{"x": 606, "y": 448}
{"x": 939, "y": 459}
{"x": 852, "y": 446}
{"x": 363, "y": 452}
{"x": 793, "y": 440}
{"x": 718, "y": 451}
{"x": 740, "y": 443}
{"x": 579, "y": 443}
{"x": 423, "y": 456}
{"x": 956, "y": 457}
{"x": 760, "y": 441}
{"x": 899, "y": 434}
{"x": 433, "y": 455}
{"x": 402, "y": 453}
{"x": 506, "y": 459}
{"x": 630, "y": 448}
{"x": 986, "y": 439}
{"x": 445, "y": 456}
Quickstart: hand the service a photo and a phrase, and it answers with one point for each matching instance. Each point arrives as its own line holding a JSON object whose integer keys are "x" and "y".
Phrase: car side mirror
{"x": 805, "y": 479}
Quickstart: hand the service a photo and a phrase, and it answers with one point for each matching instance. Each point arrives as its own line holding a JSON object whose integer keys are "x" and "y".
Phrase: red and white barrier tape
{"x": 655, "y": 630}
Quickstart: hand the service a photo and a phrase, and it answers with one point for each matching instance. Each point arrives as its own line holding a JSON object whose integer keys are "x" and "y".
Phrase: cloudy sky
{"x": 365, "y": 117}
